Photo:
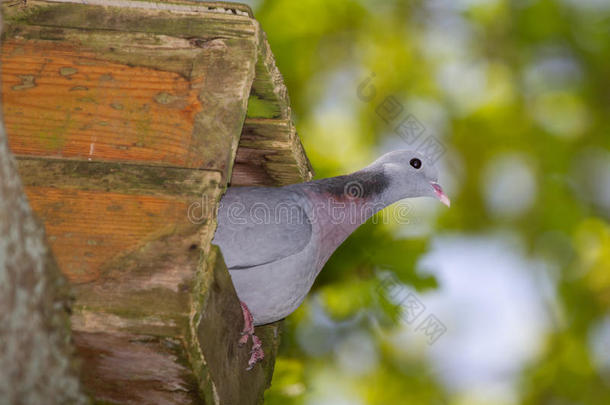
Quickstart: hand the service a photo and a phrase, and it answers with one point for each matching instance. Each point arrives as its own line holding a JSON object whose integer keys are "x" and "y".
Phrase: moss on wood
{"x": 216, "y": 333}
{"x": 179, "y": 23}
{"x": 261, "y": 108}
{"x": 118, "y": 177}
{"x": 165, "y": 292}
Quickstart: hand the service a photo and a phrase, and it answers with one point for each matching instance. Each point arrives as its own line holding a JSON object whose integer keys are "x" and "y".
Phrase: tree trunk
{"x": 36, "y": 365}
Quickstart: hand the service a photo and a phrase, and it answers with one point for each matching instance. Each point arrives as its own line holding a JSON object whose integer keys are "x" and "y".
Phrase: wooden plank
{"x": 228, "y": 66}
{"x": 90, "y": 228}
{"x": 269, "y": 95}
{"x": 183, "y": 19}
{"x": 154, "y": 51}
{"x": 127, "y": 117}
{"x": 95, "y": 213}
{"x": 270, "y": 153}
{"x": 128, "y": 84}
{"x": 216, "y": 325}
{"x": 61, "y": 101}
{"x": 148, "y": 290}
{"x": 120, "y": 178}
{"x": 134, "y": 260}
{"x": 136, "y": 369}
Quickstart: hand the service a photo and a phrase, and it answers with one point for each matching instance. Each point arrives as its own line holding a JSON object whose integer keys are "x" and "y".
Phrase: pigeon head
{"x": 411, "y": 174}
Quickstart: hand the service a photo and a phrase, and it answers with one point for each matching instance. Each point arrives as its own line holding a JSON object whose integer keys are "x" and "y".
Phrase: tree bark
{"x": 36, "y": 365}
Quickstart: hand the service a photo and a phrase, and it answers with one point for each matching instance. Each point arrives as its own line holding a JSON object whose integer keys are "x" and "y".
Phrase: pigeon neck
{"x": 345, "y": 202}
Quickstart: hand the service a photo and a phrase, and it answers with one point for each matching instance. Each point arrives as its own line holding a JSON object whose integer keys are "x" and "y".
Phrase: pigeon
{"x": 275, "y": 240}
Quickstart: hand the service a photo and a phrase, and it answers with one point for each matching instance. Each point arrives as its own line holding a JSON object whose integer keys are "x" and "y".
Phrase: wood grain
{"x": 89, "y": 228}
{"x": 164, "y": 375}
{"x": 129, "y": 118}
{"x": 270, "y": 153}
{"x": 119, "y": 178}
{"x": 60, "y": 101}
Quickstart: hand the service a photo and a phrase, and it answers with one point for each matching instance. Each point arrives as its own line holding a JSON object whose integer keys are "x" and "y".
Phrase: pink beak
{"x": 440, "y": 195}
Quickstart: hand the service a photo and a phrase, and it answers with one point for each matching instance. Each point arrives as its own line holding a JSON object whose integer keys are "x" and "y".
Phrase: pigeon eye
{"x": 416, "y": 163}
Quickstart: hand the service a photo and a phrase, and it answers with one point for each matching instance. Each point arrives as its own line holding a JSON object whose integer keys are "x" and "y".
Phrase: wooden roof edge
{"x": 221, "y": 7}
{"x": 269, "y": 127}
{"x": 269, "y": 100}
{"x": 281, "y": 92}
{"x": 269, "y": 79}
{"x": 303, "y": 162}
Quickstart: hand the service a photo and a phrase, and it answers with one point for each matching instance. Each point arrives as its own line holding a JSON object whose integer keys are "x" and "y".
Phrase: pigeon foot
{"x": 256, "y": 353}
{"x": 248, "y": 324}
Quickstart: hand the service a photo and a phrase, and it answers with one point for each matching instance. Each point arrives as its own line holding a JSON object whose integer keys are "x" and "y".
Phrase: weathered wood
{"x": 119, "y": 208}
{"x": 118, "y": 177}
{"x": 219, "y": 314}
{"x": 163, "y": 371}
{"x": 64, "y": 103}
{"x": 228, "y": 67}
{"x": 69, "y": 101}
{"x": 195, "y": 18}
{"x": 269, "y": 96}
{"x": 270, "y": 153}
{"x": 158, "y": 52}
{"x": 129, "y": 118}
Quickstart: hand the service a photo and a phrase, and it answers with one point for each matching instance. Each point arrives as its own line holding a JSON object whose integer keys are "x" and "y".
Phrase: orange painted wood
{"x": 61, "y": 101}
{"x": 87, "y": 229}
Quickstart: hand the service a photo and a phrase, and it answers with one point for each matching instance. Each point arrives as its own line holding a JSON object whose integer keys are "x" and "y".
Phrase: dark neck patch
{"x": 363, "y": 184}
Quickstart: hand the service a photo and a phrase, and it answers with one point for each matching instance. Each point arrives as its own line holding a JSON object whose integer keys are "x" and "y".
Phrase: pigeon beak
{"x": 439, "y": 194}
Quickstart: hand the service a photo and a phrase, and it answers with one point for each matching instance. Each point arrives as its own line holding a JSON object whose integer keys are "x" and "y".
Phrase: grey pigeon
{"x": 275, "y": 240}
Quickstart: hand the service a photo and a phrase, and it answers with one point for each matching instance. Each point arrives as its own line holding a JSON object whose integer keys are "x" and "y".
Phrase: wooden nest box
{"x": 129, "y": 119}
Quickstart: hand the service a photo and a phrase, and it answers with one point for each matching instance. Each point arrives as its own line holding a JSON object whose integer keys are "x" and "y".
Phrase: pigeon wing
{"x": 261, "y": 225}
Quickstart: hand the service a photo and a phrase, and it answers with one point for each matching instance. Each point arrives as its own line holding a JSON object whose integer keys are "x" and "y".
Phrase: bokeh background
{"x": 517, "y": 273}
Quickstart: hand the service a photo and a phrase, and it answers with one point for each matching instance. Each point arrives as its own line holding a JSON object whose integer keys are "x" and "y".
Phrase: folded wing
{"x": 261, "y": 225}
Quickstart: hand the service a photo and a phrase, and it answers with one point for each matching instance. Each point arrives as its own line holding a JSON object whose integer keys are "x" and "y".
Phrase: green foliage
{"x": 495, "y": 78}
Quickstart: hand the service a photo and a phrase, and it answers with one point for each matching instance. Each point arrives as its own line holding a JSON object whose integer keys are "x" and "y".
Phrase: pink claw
{"x": 256, "y": 352}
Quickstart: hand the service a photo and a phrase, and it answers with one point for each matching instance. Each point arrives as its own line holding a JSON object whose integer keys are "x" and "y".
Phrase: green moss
{"x": 128, "y": 19}
{"x": 203, "y": 278}
{"x": 123, "y": 178}
{"x": 261, "y": 108}
{"x": 53, "y": 140}
{"x": 143, "y": 129}
{"x": 67, "y": 71}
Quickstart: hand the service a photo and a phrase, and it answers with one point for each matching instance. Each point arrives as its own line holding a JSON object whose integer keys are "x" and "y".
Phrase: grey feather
{"x": 275, "y": 241}
{"x": 260, "y": 225}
